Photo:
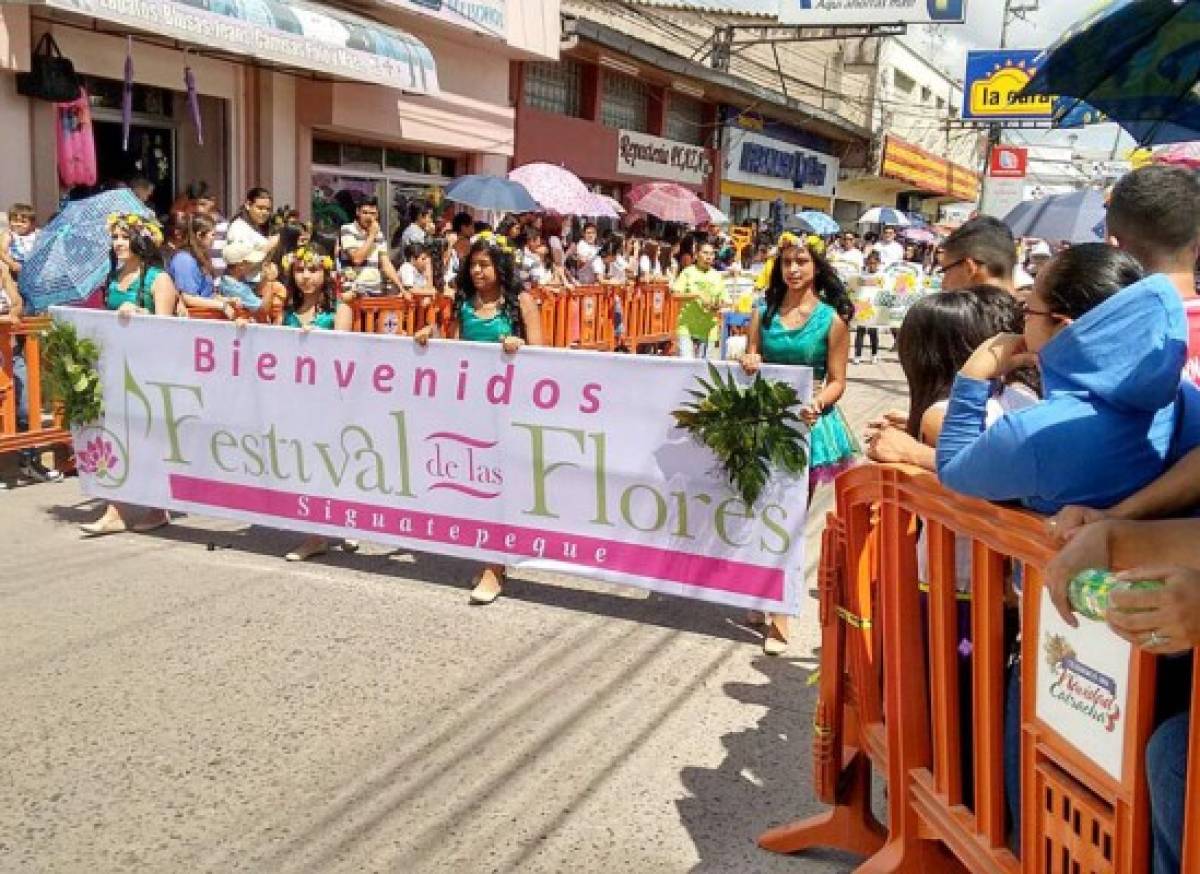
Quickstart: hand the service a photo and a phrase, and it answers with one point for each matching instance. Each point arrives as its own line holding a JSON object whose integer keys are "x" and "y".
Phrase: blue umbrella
{"x": 1137, "y": 61}
{"x": 491, "y": 192}
{"x": 1078, "y": 217}
{"x": 70, "y": 259}
{"x": 883, "y": 215}
{"x": 817, "y": 222}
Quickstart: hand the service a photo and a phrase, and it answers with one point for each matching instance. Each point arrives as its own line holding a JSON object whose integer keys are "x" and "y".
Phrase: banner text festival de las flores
{"x": 547, "y": 459}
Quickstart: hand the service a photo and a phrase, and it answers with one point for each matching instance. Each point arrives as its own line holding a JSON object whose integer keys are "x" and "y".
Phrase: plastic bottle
{"x": 1090, "y": 592}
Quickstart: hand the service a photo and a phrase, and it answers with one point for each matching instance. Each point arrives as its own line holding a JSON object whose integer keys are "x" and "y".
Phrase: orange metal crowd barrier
{"x": 45, "y": 428}
{"x": 392, "y": 314}
{"x": 651, "y": 315}
{"x": 878, "y": 715}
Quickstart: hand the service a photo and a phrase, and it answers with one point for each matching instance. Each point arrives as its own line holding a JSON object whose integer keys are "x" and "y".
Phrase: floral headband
{"x": 787, "y": 240}
{"x": 134, "y": 225}
{"x": 308, "y": 257}
{"x": 494, "y": 239}
{"x": 812, "y": 241}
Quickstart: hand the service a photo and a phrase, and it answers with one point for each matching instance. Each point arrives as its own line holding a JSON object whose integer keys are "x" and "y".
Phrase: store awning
{"x": 292, "y": 34}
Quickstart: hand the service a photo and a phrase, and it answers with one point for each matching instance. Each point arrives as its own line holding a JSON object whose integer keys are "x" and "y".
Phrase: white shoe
{"x": 33, "y": 469}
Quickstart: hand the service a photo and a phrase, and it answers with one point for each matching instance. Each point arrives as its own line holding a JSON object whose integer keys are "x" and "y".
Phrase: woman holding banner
{"x": 803, "y": 321}
{"x": 312, "y": 305}
{"x": 490, "y": 306}
{"x": 137, "y": 284}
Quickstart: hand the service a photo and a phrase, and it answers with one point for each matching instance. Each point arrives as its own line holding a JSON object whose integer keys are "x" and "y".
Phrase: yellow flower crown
{"x": 308, "y": 257}
{"x": 134, "y": 224}
{"x": 786, "y": 240}
{"x": 494, "y": 239}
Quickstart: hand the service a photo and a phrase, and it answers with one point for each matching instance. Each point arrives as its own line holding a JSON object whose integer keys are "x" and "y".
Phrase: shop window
{"x": 362, "y": 156}
{"x": 554, "y": 87}
{"x": 926, "y": 94}
{"x": 685, "y": 120}
{"x": 904, "y": 83}
{"x": 326, "y": 152}
{"x": 409, "y": 162}
{"x": 107, "y": 94}
{"x": 626, "y": 103}
{"x": 438, "y": 166}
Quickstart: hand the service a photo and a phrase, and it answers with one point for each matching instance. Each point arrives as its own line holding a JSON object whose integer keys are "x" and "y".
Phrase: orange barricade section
{"x": 899, "y": 698}
{"x": 44, "y": 429}
{"x": 651, "y": 314}
{"x": 400, "y": 317}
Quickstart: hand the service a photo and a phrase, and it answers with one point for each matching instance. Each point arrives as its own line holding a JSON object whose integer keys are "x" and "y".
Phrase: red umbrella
{"x": 669, "y": 202}
{"x": 1179, "y": 155}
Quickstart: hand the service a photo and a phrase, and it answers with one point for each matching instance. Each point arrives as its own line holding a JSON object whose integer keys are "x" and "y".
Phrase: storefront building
{"x": 615, "y": 123}
{"x": 911, "y": 179}
{"x": 319, "y": 105}
{"x": 766, "y": 163}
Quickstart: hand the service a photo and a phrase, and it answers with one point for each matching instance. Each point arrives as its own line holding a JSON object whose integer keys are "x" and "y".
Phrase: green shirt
{"x": 321, "y": 322}
{"x": 477, "y": 330}
{"x": 140, "y": 292}
{"x": 709, "y": 288}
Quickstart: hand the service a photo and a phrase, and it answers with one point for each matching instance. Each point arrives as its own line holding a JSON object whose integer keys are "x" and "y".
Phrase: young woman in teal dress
{"x": 312, "y": 305}
{"x": 490, "y": 306}
{"x": 137, "y": 285}
{"x": 803, "y": 321}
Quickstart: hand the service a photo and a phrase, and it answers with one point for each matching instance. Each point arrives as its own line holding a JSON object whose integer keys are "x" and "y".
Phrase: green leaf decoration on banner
{"x": 752, "y": 431}
{"x": 70, "y": 374}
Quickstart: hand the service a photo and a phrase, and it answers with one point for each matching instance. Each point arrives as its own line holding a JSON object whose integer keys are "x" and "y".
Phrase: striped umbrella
{"x": 883, "y": 215}
{"x": 669, "y": 202}
{"x": 817, "y": 222}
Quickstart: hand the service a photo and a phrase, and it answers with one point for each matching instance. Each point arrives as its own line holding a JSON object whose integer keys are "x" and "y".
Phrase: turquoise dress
{"x": 832, "y": 446}
{"x": 323, "y": 321}
{"x": 140, "y": 292}
{"x": 492, "y": 330}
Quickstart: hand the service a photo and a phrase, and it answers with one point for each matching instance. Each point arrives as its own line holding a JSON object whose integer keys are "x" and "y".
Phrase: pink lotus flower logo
{"x": 98, "y": 458}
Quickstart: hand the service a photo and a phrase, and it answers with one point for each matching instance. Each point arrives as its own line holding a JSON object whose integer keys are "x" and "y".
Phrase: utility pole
{"x": 1013, "y": 9}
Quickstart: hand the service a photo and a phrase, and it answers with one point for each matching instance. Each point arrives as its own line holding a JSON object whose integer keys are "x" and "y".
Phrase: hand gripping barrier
{"x": 892, "y": 702}
{"x": 44, "y": 429}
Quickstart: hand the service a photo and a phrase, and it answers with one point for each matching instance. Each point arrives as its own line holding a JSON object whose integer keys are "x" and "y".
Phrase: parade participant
{"x": 364, "y": 257}
{"x": 17, "y": 243}
{"x": 703, "y": 289}
{"x": 137, "y": 284}
{"x": 981, "y": 252}
{"x": 313, "y": 306}
{"x": 491, "y": 307}
{"x": 890, "y": 250}
{"x": 803, "y": 322}
{"x": 845, "y": 254}
{"x": 1154, "y": 214}
{"x": 252, "y": 225}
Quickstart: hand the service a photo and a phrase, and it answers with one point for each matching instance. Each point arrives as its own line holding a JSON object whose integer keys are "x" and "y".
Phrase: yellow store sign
{"x": 993, "y": 85}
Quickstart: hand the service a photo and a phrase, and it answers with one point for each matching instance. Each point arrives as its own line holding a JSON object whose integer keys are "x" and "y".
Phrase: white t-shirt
{"x": 411, "y": 277}
{"x": 852, "y": 258}
{"x": 889, "y": 253}
{"x": 368, "y": 278}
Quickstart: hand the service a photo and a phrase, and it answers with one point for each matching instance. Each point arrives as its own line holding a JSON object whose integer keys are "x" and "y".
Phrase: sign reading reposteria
{"x": 641, "y": 154}
{"x": 548, "y": 459}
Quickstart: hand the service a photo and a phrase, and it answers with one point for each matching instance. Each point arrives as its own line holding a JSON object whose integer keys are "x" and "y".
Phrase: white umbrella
{"x": 715, "y": 215}
{"x": 884, "y": 215}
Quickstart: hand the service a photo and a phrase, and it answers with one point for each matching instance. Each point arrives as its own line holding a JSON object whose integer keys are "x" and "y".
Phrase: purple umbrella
{"x": 193, "y": 100}
{"x": 127, "y": 95}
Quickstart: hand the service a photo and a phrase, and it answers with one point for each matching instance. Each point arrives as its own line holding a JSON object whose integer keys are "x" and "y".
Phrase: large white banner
{"x": 830, "y": 13}
{"x": 548, "y": 459}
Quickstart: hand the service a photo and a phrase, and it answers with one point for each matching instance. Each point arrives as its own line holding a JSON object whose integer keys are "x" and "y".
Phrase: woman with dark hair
{"x": 312, "y": 305}
{"x": 253, "y": 225}
{"x": 490, "y": 306}
{"x": 803, "y": 322}
{"x": 191, "y": 267}
{"x": 137, "y": 284}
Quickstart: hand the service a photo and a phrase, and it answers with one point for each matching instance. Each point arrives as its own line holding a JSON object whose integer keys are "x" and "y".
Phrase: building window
{"x": 554, "y": 87}
{"x": 926, "y": 94}
{"x": 904, "y": 83}
{"x": 626, "y": 103}
{"x": 941, "y": 104}
{"x": 685, "y": 120}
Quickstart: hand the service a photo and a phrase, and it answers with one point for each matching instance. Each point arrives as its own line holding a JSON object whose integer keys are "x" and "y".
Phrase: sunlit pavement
{"x": 187, "y": 701}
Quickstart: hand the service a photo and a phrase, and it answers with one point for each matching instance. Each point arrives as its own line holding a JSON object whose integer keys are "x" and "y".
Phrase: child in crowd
{"x": 242, "y": 261}
{"x": 17, "y": 244}
{"x": 416, "y": 273}
{"x": 702, "y": 288}
{"x": 491, "y": 307}
{"x": 191, "y": 269}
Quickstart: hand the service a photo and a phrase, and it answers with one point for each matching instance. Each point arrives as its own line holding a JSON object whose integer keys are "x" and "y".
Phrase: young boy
{"x": 242, "y": 260}
{"x": 416, "y": 273}
{"x": 18, "y": 243}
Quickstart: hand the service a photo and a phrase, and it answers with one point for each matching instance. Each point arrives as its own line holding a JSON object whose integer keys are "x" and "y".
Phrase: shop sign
{"x": 759, "y": 160}
{"x": 834, "y": 13}
{"x": 547, "y": 460}
{"x": 993, "y": 84}
{"x": 1008, "y": 162}
{"x": 328, "y": 40}
{"x": 640, "y": 154}
{"x": 1004, "y": 187}
{"x": 487, "y": 15}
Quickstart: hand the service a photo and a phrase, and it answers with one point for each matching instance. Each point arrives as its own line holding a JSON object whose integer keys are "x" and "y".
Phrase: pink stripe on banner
{"x": 636, "y": 560}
